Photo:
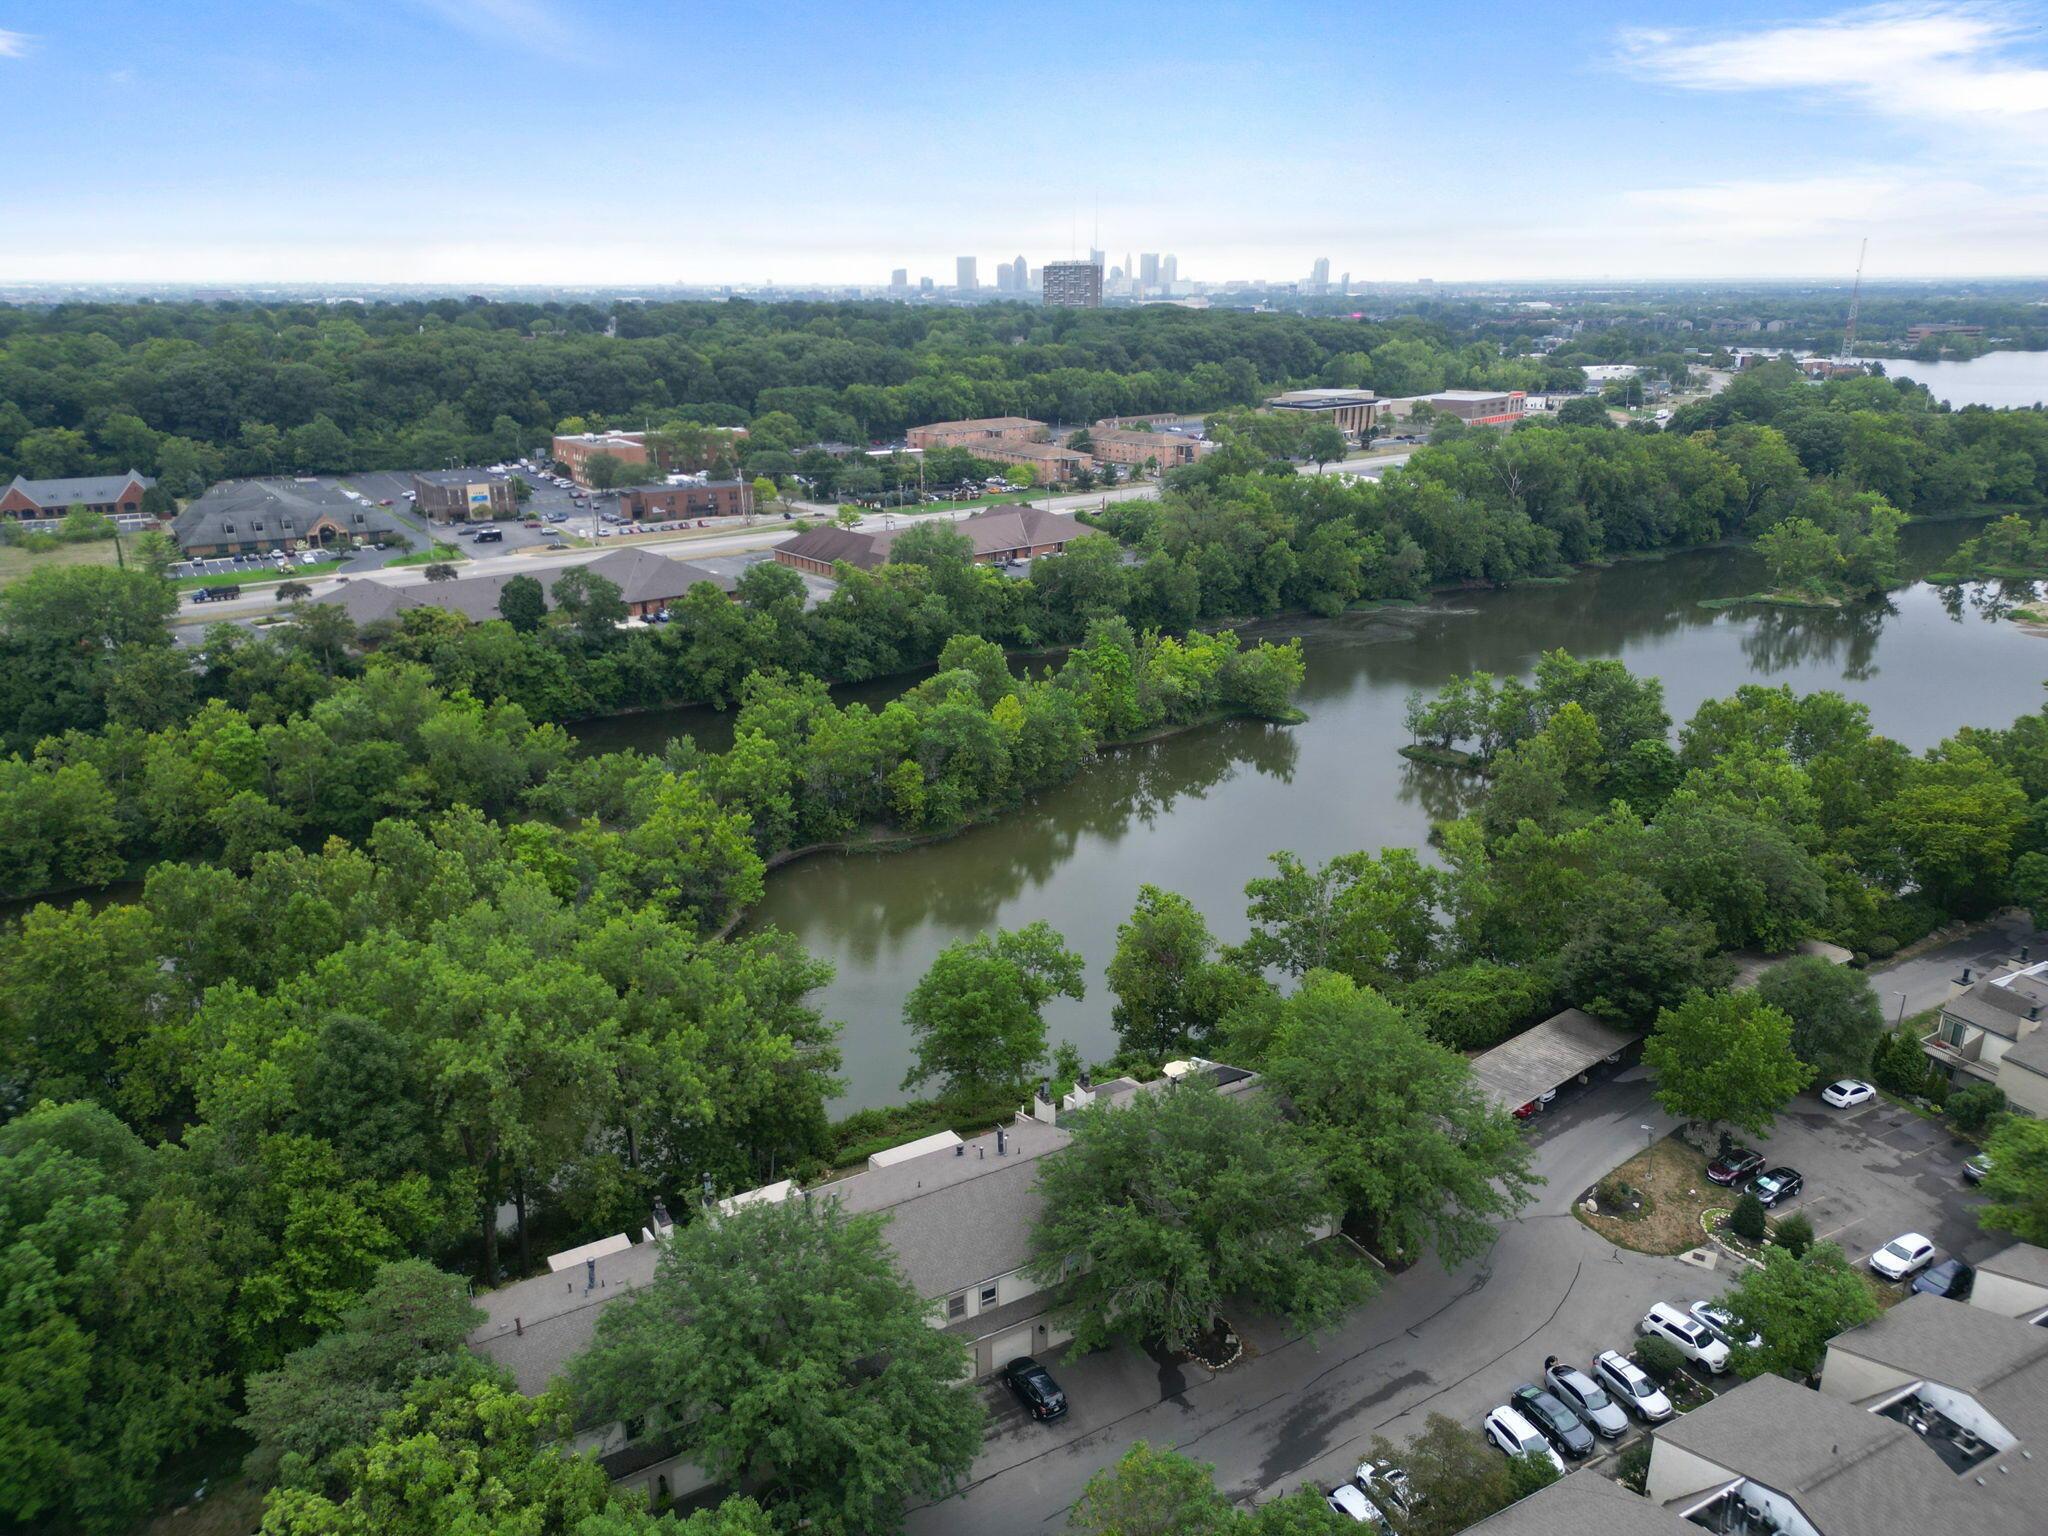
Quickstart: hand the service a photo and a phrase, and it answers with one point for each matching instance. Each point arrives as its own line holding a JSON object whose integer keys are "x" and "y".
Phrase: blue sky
{"x": 634, "y": 141}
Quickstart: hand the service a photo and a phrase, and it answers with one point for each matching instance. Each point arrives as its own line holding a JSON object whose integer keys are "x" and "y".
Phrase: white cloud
{"x": 530, "y": 24}
{"x": 1932, "y": 63}
{"x": 13, "y": 45}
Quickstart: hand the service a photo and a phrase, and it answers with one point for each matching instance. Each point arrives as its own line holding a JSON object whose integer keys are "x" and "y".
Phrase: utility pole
{"x": 1855, "y": 302}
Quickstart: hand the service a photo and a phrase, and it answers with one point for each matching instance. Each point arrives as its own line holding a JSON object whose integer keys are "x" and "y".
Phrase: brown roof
{"x": 991, "y": 533}
{"x": 641, "y": 575}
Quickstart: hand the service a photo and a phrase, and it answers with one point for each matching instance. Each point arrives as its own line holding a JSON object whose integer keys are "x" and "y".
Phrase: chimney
{"x": 1083, "y": 1080}
{"x": 959, "y": 1149}
{"x": 519, "y": 1327}
{"x": 1966, "y": 975}
{"x": 1002, "y": 1142}
{"x": 589, "y": 1275}
{"x": 2023, "y": 953}
{"x": 663, "y": 1222}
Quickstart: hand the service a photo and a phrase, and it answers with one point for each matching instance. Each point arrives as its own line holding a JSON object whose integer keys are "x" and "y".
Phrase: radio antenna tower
{"x": 1855, "y": 302}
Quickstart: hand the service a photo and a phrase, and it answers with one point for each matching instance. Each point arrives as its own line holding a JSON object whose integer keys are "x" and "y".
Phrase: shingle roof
{"x": 88, "y": 489}
{"x": 1967, "y": 1348}
{"x": 286, "y": 507}
{"x": 990, "y": 533}
{"x": 1998, "y": 1005}
{"x": 2021, "y": 1261}
{"x": 641, "y": 575}
{"x": 1584, "y": 1504}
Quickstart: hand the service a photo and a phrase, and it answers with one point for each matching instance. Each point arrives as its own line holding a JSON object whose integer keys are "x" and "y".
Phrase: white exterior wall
{"x": 1675, "y": 1473}
{"x": 1014, "y": 1286}
{"x": 2027, "y": 1091}
{"x": 1855, "y": 1380}
{"x": 2003, "y": 1294}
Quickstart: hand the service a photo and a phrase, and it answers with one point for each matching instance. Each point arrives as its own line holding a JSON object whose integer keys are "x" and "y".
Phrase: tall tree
{"x": 1793, "y": 1306}
{"x": 1725, "y": 1058}
{"x": 1836, "y": 1017}
{"x": 2018, "y": 1181}
{"x": 1395, "y": 1122}
{"x": 522, "y": 604}
{"x": 1171, "y": 991}
{"x": 1148, "y": 1492}
{"x": 1164, "y": 1207}
{"x": 779, "y": 1343}
{"x": 978, "y": 1015}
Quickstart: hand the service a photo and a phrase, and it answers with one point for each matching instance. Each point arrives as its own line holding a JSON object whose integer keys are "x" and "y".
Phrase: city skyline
{"x": 232, "y": 141}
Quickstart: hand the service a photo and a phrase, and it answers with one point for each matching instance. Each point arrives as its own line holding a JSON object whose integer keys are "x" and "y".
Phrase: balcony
{"x": 1967, "y": 1055}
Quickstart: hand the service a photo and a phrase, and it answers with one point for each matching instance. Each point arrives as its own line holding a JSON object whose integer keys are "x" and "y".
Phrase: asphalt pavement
{"x": 1907, "y": 987}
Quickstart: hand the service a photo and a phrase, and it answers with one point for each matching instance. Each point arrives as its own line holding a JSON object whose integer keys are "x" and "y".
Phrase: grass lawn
{"x": 1673, "y": 1180}
{"x": 265, "y": 575}
{"x": 16, "y": 562}
{"x": 437, "y": 555}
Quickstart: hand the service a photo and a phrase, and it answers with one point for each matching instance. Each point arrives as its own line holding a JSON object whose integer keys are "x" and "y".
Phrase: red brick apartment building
{"x": 662, "y": 503}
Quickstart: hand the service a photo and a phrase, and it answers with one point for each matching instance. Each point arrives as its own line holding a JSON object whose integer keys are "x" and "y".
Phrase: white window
{"x": 988, "y": 1295}
{"x": 956, "y": 1306}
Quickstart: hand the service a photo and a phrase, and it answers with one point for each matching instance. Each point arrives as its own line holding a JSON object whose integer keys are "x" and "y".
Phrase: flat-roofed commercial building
{"x": 463, "y": 495}
{"x": 1351, "y": 411}
{"x": 575, "y": 451}
{"x": 1481, "y": 407}
{"x": 1072, "y": 285}
{"x": 713, "y": 498}
{"x": 974, "y": 433}
{"x": 1168, "y": 450}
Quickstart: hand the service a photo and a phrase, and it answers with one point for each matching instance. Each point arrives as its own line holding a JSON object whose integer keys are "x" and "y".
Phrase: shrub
{"x": 1633, "y": 1468}
{"x": 1660, "y": 1357}
{"x": 1794, "y": 1234}
{"x": 1900, "y": 1066}
{"x": 1747, "y": 1220}
{"x": 1973, "y": 1108}
{"x": 1880, "y": 946}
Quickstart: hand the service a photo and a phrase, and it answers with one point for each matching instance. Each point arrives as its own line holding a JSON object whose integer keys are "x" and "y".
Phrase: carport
{"x": 1553, "y": 1053}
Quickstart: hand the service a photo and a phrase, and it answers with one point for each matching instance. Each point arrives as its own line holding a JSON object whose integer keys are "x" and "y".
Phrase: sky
{"x": 698, "y": 141}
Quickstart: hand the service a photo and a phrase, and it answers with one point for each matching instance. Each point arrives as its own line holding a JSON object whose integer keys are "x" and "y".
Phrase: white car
{"x": 1692, "y": 1338}
{"x": 1514, "y": 1435}
{"x": 1720, "y": 1322}
{"x": 1349, "y": 1502}
{"x": 1631, "y": 1386}
{"x": 1903, "y": 1256}
{"x": 1387, "y": 1485}
{"x": 1847, "y": 1093}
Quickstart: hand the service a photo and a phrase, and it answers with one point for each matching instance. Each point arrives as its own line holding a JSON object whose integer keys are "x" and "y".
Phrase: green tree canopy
{"x": 1794, "y": 1306}
{"x": 2017, "y": 1185}
{"x": 977, "y": 1015}
{"x": 1836, "y": 1017}
{"x": 1725, "y": 1058}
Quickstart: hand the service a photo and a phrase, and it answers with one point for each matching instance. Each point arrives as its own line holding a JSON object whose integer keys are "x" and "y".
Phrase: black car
{"x": 1951, "y": 1278}
{"x": 1554, "y": 1422}
{"x": 1737, "y": 1165}
{"x": 1779, "y": 1184}
{"x": 1035, "y": 1388}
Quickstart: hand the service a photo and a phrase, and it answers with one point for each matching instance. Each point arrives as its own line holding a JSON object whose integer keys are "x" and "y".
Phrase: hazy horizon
{"x": 622, "y": 143}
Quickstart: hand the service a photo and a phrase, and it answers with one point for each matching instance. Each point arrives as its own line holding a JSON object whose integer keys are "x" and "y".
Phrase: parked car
{"x": 1720, "y": 1322}
{"x": 1975, "y": 1169}
{"x": 385, "y": 502}
{"x": 1513, "y": 1435}
{"x": 1035, "y": 1388}
{"x": 1387, "y": 1486}
{"x": 1354, "y": 1505}
{"x": 1553, "y": 1420}
{"x": 1847, "y": 1093}
{"x": 490, "y": 535}
{"x": 1692, "y": 1338}
{"x": 1951, "y": 1278}
{"x": 1587, "y": 1398}
{"x": 1777, "y": 1185}
{"x": 1631, "y": 1386}
{"x": 1738, "y": 1164}
{"x": 1905, "y": 1255}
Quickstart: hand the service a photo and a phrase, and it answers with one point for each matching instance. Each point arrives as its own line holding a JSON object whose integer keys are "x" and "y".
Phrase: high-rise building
{"x": 1030, "y": 283}
{"x": 1019, "y": 274}
{"x": 963, "y": 274}
{"x": 1344, "y": 283}
{"x": 900, "y": 278}
{"x": 1073, "y": 285}
{"x": 1169, "y": 271}
{"x": 1148, "y": 270}
{"x": 1321, "y": 275}
{"x": 1096, "y": 257}
{"x": 924, "y": 285}
{"x": 1003, "y": 271}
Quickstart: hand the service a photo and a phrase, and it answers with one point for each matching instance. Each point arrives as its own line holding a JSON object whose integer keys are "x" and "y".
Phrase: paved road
{"x": 1924, "y": 979}
{"x": 1430, "y": 1342}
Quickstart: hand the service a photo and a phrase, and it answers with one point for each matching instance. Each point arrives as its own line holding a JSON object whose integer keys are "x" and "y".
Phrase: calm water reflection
{"x": 1199, "y": 814}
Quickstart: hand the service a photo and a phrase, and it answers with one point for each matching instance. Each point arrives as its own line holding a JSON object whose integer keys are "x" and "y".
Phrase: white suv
{"x": 1631, "y": 1387}
{"x": 1691, "y": 1337}
{"x": 1514, "y": 1435}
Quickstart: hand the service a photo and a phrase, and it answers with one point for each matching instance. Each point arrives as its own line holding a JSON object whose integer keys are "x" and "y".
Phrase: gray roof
{"x": 1999, "y": 1004}
{"x": 88, "y": 489}
{"x": 990, "y": 533}
{"x": 641, "y": 575}
{"x": 1968, "y": 1348}
{"x": 1545, "y": 1055}
{"x": 285, "y": 507}
{"x": 2029, "y": 1051}
{"x": 2021, "y": 1261}
{"x": 1583, "y": 1504}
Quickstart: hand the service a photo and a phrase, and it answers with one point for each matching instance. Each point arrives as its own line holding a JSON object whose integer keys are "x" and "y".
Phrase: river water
{"x": 1200, "y": 813}
{"x": 1998, "y": 379}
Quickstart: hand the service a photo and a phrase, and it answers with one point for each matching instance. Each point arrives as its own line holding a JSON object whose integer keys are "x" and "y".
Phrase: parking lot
{"x": 1458, "y": 1343}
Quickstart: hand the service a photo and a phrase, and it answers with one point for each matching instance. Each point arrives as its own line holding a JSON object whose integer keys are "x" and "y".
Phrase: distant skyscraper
{"x": 900, "y": 278}
{"x": 924, "y": 285}
{"x": 1020, "y": 270}
{"x": 1073, "y": 285}
{"x": 1169, "y": 271}
{"x": 1096, "y": 257}
{"x": 1344, "y": 283}
{"x": 963, "y": 273}
{"x": 1321, "y": 275}
{"x": 1003, "y": 271}
{"x": 1148, "y": 269}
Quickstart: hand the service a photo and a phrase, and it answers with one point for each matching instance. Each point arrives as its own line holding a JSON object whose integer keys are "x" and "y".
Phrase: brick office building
{"x": 463, "y": 495}
{"x": 1481, "y": 407}
{"x": 1168, "y": 450}
{"x": 108, "y": 495}
{"x": 999, "y": 537}
{"x": 977, "y": 434}
{"x": 662, "y": 503}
